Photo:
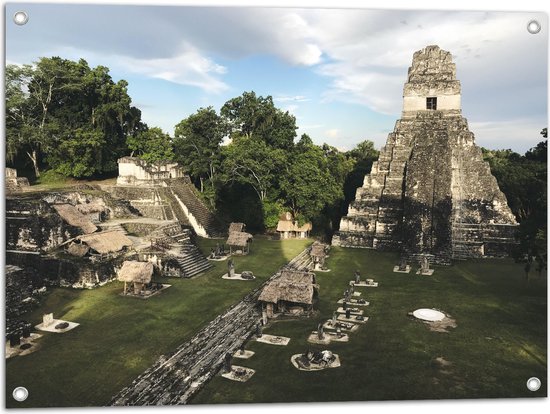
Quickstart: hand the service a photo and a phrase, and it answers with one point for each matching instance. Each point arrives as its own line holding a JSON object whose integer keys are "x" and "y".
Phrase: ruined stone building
{"x": 430, "y": 192}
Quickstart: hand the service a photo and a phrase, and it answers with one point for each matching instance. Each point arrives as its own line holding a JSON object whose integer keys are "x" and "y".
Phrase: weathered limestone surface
{"x": 169, "y": 199}
{"x": 430, "y": 192}
{"x": 13, "y": 183}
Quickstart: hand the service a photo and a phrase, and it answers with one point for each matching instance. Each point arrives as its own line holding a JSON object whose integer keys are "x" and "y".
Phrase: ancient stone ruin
{"x": 430, "y": 192}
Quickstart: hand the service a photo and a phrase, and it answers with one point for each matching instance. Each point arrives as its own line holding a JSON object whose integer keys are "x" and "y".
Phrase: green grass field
{"x": 499, "y": 341}
{"x": 120, "y": 337}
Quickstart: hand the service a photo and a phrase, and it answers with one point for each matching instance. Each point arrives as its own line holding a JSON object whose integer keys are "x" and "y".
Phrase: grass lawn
{"x": 119, "y": 337}
{"x": 499, "y": 341}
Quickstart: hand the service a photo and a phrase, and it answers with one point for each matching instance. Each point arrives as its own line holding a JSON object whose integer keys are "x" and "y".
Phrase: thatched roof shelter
{"x": 239, "y": 239}
{"x": 289, "y": 292}
{"x": 106, "y": 241}
{"x": 297, "y": 276}
{"x": 135, "y": 272}
{"x": 317, "y": 250}
{"x": 78, "y": 249}
{"x": 291, "y": 286}
{"x": 72, "y": 216}
{"x": 240, "y": 227}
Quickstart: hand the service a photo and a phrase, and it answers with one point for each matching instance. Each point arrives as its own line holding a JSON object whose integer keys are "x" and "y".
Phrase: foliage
{"x": 523, "y": 179}
{"x": 255, "y": 117}
{"x": 151, "y": 145}
{"x": 253, "y": 162}
{"x": 272, "y": 211}
{"x": 308, "y": 184}
{"x": 197, "y": 142}
{"x": 76, "y": 154}
{"x": 56, "y": 100}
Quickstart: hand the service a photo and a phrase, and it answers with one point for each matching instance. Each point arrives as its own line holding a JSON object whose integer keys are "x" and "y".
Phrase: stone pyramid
{"x": 430, "y": 192}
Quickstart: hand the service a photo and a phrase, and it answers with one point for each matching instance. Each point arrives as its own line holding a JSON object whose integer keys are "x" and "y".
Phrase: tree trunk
{"x": 202, "y": 184}
{"x": 34, "y": 158}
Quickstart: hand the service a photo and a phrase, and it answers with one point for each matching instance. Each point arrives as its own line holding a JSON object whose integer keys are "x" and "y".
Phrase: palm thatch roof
{"x": 238, "y": 238}
{"x": 291, "y": 286}
{"x": 106, "y": 241}
{"x": 236, "y": 227}
{"x": 136, "y": 272}
{"x": 297, "y": 276}
{"x": 78, "y": 249}
{"x": 317, "y": 250}
{"x": 72, "y": 216}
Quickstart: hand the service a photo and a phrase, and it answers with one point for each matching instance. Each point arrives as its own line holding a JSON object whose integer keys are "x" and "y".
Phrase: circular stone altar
{"x": 430, "y": 315}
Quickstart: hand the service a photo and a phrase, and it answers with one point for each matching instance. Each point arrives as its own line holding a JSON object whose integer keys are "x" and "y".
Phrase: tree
{"x": 19, "y": 119}
{"x": 254, "y": 163}
{"x": 58, "y": 99}
{"x": 523, "y": 179}
{"x": 197, "y": 142}
{"x": 151, "y": 145}
{"x": 256, "y": 117}
{"x": 76, "y": 155}
{"x": 308, "y": 184}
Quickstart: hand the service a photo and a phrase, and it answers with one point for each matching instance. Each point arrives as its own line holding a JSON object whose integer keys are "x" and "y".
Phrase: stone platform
{"x": 273, "y": 340}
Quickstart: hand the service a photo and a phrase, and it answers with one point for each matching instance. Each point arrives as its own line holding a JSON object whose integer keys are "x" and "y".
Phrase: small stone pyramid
{"x": 430, "y": 192}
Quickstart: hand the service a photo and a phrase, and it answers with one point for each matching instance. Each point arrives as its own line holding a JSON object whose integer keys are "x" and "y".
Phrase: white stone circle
{"x": 430, "y": 315}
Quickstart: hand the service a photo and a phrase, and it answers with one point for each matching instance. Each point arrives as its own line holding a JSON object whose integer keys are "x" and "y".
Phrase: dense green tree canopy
{"x": 256, "y": 164}
{"x": 54, "y": 103}
{"x": 308, "y": 183}
{"x": 197, "y": 142}
{"x": 151, "y": 145}
{"x": 523, "y": 179}
{"x": 256, "y": 117}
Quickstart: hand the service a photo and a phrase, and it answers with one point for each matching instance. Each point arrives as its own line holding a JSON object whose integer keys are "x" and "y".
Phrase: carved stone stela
{"x": 430, "y": 192}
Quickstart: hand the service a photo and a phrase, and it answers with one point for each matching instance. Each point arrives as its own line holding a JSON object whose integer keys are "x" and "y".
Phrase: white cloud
{"x": 189, "y": 67}
{"x": 520, "y": 134}
{"x": 332, "y": 133}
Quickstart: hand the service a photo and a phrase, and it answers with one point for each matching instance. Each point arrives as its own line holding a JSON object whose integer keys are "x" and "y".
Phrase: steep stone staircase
{"x": 182, "y": 191}
{"x": 177, "y": 242}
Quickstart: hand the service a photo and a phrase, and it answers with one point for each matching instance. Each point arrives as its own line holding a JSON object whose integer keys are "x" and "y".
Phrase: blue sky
{"x": 340, "y": 72}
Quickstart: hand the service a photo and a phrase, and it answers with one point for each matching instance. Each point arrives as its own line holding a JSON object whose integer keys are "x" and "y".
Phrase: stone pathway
{"x": 175, "y": 378}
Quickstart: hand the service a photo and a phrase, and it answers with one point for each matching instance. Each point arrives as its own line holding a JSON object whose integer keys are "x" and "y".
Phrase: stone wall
{"x": 32, "y": 225}
{"x": 134, "y": 171}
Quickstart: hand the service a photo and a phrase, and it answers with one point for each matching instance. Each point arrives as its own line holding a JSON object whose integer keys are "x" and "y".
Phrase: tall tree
{"x": 308, "y": 184}
{"x": 254, "y": 163}
{"x": 256, "y": 117}
{"x": 197, "y": 142}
